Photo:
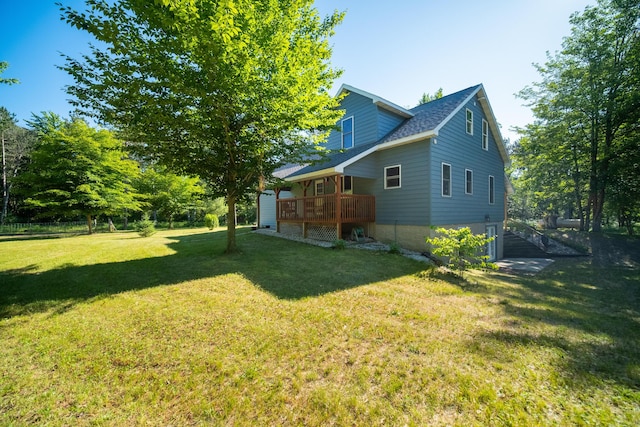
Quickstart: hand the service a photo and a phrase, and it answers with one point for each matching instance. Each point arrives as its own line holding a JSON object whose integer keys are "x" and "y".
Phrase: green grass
{"x": 115, "y": 329}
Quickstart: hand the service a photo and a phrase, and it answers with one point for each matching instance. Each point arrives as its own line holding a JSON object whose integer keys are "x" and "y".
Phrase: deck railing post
{"x": 338, "y": 213}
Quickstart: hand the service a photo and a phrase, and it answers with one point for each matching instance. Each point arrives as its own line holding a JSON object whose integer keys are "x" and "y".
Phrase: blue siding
{"x": 408, "y": 205}
{"x": 370, "y": 122}
{"x": 365, "y": 168}
{"x": 387, "y": 121}
{"x": 365, "y": 121}
{"x": 463, "y": 151}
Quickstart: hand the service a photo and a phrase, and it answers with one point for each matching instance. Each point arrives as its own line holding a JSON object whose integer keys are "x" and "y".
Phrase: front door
{"x": 491, "y": 246}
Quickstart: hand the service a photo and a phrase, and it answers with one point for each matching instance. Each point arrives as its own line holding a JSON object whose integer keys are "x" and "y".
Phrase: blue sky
{"x": 396, "y": 50}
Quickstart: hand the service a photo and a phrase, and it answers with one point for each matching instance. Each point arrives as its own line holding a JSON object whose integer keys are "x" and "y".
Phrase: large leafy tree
{"x": 17, "y": 143}
{"x": 589, "y": 92}
{"x": 225, "y": 90}
{"x": 168, "y": 193}
{"x": 77, "y": 170}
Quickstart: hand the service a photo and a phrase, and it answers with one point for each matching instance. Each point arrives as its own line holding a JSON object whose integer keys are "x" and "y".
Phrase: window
{"x": 469, "y": 122}
{"x": 446, "y": 180}
{"x": 347, "y": 184}
{"x": 492, "y": 190}
{"x": 319, "y": 187}
{"x": 347, "y": 133}
{"x": 485, "y": 135}
{"x": 392, "y": 177}
{"x": 468, "y": 187}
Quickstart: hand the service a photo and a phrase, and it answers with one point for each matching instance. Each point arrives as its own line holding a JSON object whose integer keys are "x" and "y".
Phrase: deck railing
{"x": 354, "y": 208}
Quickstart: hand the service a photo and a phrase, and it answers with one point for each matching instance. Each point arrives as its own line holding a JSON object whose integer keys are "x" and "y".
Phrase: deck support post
{"x": 277, "y": 191}
{"x": 338, "y": 206}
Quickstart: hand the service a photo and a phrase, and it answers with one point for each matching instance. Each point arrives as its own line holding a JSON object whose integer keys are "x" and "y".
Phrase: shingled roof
{"x": 424, "y": 121}
{"x": 431, "y": 115}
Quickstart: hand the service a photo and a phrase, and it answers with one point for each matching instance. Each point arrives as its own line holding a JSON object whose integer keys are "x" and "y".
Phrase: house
{"x": 396, "y": 172}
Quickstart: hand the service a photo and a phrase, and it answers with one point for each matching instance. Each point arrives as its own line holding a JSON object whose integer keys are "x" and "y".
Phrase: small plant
{"x": 211, "y": 221}
{"x": 462, "y": 249}
{"x": 339, "y": 244}
{"x": 145, "y": 227}
{"x": 394, "y": 248}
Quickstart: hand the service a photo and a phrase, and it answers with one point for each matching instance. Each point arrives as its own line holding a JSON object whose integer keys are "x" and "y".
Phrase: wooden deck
{"x": 328, "y": 209}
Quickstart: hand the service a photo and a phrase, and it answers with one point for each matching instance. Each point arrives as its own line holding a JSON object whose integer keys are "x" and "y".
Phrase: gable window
{"x": 468, "y": 186}
{"x": 485, "y": 135}
{"x": 469, "y": 122}
{"x": 492, "y": 190}
{"x": 392, "y": 177}
{"x": 319, "y": 184}
{"x": 347, "y": 133}
{"x": 446, "y": 180}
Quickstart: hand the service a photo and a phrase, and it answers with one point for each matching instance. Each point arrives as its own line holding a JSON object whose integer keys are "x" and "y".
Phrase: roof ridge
{"x": 420, "y": 107}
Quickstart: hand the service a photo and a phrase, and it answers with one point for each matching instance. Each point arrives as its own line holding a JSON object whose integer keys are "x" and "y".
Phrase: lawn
{"x": 115, "y": 329}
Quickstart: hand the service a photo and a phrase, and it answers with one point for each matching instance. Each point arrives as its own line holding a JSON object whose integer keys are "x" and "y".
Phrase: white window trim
{"x": 466, "y": 121}
{"x": 485, "y": 135}
{"x": 442, "y": 165}
{"x": 492, "y": 180}
{"x": 353, "y": 134}
{"x": 315, "y": 187}
{"x": 466, "y": 171}
{"x": 386, "y": 178}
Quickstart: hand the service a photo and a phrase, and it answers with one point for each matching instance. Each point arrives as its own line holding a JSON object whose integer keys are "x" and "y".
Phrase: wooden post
{"x": 304, "y": 208}
{"x": 338, "y": 181}
{"x": 277, "y": 190}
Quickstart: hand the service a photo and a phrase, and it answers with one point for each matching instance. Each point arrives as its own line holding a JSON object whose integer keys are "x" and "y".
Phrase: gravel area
{"x": 369, "y": 244}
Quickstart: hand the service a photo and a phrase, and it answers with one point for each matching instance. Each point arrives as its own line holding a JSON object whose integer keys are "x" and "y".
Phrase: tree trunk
{"x": 5, "y": 204}
{"x": 598, "y": 211}
{"x": 5, "y": 192}
{"x": 89, "y": 224}
{"x": 231, "y": 224}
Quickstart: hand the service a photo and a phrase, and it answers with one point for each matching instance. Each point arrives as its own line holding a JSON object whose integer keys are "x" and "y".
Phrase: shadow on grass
{"x": 591, "y": 315}
{"x": 38, "y": 236}
{"x": 285, "y": 269}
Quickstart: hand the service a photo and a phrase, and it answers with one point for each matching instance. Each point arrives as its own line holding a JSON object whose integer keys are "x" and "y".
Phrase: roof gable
{"x": 422, "y": 122}
{"x": 380, "y": 102}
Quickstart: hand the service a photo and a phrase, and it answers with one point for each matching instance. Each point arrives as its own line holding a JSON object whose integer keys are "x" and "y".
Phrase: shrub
{"x": 461, "y": 249}
{"x": 211, "y": 221}
{"x": 394, "y": 248}
{"x": 145, "y": 227}
{"x": 339, "y": 244}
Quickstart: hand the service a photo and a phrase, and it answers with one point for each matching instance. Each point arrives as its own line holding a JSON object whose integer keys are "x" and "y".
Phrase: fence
{"x": 47, "y": 227}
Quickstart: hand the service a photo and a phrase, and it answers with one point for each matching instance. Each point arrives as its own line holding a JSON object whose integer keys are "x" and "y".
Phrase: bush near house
{"x": 461, "y": 249}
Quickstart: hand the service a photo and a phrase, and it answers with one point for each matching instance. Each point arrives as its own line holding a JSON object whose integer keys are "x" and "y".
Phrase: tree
{"x": 77, "y": 170}
{"x": 428, "y": 98}
{"x": 461, "y": 248}
{"x": 590, "y": 90}
{"x": 221, "y": 89}
{"x": 624, "y": 196}
{"x": 17, "y": 143}
{"x": 169, "y": 193}
{"x": 3, "y": 66}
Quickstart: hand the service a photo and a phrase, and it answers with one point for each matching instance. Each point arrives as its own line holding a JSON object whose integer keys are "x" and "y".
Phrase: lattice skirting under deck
{"x": 325, "y": 233}
{"x": 291, "y": 229}
{"x": 322, "y": 232}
